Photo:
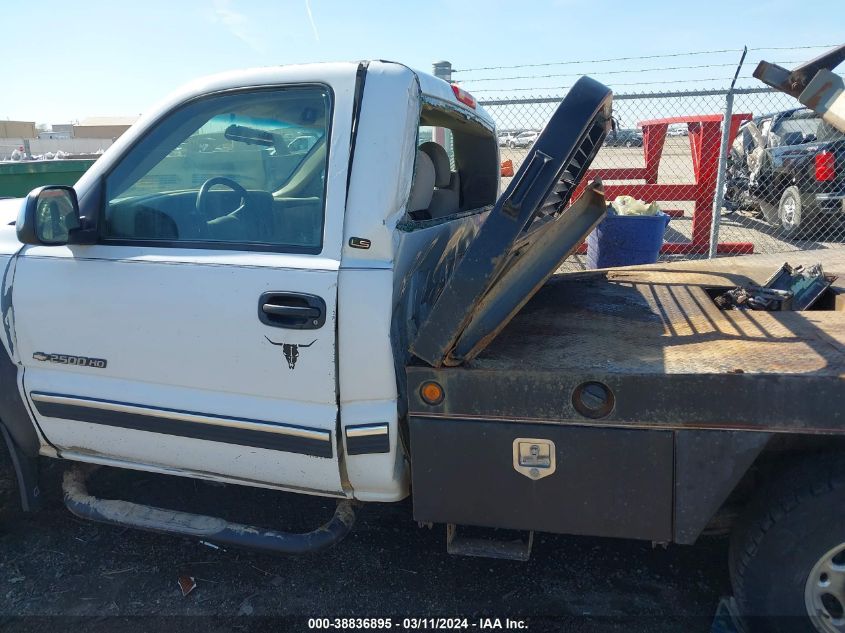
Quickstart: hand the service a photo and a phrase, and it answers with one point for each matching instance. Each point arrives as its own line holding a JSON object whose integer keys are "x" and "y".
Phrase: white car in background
{"x": 505, "y": 137}
{"x": 524, "y": 139}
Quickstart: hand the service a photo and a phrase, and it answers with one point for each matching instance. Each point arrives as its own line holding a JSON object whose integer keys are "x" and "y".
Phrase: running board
{"x": 207, "y": 528}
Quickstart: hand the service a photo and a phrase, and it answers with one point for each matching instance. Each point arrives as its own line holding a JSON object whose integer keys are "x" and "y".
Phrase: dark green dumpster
{"x": 19, "y": 178}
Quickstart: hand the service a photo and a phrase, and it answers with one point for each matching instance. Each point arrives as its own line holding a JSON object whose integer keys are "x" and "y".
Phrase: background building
{"x": 17, "y": 129}
{"x": 109, "y": 127}
{"x": 63, "y": 128}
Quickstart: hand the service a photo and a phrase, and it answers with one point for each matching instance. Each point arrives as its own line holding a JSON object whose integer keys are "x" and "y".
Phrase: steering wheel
{"x": 202, "y": 200}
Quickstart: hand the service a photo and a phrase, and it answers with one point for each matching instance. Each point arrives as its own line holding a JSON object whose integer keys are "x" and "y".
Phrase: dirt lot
{"x": 87, "y": 576}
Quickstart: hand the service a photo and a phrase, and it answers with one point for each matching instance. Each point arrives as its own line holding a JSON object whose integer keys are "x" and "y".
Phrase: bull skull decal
{"x": 291, "y": 351}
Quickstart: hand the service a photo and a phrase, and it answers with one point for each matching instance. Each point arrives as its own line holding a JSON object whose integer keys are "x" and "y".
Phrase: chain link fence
{"x": 781, "y": 190}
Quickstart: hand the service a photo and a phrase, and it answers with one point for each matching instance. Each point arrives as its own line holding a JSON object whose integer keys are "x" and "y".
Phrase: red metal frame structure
{"x": 704, "y": 137}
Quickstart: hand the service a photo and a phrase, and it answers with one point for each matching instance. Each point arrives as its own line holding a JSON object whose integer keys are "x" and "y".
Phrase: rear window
{"x": 828, "y": 133}
{"x": 470, "y": 181}
{"x": 440, "y": 135}
{"x": 805, "y": 126}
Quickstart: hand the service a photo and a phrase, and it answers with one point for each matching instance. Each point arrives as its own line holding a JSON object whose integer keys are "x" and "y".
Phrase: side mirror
{"x": 48, "y": 216}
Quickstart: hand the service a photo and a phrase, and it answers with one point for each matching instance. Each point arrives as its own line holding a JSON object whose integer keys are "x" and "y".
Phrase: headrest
{"x": 422, "y": 187}
{"x": 442, "y": 169}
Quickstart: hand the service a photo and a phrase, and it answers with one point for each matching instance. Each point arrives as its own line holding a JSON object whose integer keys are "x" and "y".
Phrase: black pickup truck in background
{"x": 791, "y": 165}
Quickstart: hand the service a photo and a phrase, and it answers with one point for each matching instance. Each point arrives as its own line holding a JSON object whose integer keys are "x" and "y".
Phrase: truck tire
{"x": 790, "y": 211}
{"x": 787, "y": 553}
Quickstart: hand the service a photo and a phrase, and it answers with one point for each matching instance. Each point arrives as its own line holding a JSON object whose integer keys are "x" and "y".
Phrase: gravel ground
{"x": 86, "y": 576}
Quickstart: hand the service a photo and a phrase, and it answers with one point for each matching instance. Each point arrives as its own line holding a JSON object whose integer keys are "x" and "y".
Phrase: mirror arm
{"x": 89, "y": 208}
{"x": 82, "y": 236}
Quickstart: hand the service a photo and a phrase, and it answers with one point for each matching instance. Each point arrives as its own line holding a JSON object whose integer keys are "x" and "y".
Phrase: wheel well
{"x": 772, "y": 188}
{"x": 26, "y": 471}
{"x": 781, "y": 453}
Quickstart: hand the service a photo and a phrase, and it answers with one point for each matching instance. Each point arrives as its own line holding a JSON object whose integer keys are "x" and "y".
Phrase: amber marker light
{"x": 431, "y": 393}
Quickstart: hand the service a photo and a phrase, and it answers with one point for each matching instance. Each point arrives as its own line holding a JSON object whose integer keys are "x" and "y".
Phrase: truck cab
{"x": 200, "y": 331}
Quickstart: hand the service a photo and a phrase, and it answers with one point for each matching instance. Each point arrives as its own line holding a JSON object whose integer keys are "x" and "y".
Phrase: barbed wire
{"x": 638, "y": 57}
{"x": 597, "y": 61}
{"x": 611, "y": 72}
{"x": 793, "y": 48}
{"x": 621, "y": 83}
{"x": 624, "y": 83}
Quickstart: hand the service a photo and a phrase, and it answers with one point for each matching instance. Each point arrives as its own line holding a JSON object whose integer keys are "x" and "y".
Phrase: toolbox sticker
{"x": 291, "y": 351}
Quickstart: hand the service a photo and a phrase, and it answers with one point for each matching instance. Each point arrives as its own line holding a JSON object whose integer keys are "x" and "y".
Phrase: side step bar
{"x": 212, "y": 529}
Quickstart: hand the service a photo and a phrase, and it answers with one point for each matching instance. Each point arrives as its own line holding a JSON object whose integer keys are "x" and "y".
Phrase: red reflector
{"x": 463, "y": 96}
{"x": 825, "y": 166}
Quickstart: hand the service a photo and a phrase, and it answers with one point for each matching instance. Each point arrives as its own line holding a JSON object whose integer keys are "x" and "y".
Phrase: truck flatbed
{"x": 642, "y": 389}
{"x": 661, "y": 319}
{"x": 653, "y": 337}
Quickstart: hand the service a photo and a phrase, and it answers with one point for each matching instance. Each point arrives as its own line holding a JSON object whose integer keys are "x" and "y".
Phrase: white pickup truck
{"x": 304, "y": 278}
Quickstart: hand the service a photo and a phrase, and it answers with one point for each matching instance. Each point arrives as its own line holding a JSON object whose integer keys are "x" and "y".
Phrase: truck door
{"x": 198, "y": 335}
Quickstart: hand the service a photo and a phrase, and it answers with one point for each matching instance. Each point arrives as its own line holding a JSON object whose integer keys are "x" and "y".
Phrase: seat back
{"x": 422, "y": 188}
{"x": 446, "y": 198}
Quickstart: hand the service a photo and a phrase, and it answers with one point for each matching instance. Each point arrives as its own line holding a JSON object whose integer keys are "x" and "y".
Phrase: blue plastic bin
{"x": 626, "y": 240}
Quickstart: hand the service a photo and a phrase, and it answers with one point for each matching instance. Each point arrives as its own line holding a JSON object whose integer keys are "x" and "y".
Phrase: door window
{"x": 244, "y": 170}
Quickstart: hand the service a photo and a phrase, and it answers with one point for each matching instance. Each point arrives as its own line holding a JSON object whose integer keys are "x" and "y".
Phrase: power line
{"x": 607, "y": 72}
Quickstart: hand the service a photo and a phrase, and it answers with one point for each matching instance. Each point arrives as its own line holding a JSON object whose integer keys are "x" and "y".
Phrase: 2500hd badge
{"x": 69, "y": 359}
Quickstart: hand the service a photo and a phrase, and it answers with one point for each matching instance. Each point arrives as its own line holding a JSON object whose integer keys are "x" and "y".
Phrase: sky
{"x": 67, "y": 60}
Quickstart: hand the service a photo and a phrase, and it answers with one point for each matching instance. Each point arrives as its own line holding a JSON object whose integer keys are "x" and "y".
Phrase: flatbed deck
{"x": 669, "y": 356}
{"x": 660, "y": 319}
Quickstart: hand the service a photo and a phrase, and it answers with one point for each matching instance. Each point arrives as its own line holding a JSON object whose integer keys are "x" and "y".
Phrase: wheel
{"x": 628, "y": 144}
{"x": 511, "y": 144}
{"x": 788, "y": 552}
{"x": 789, "y": 210}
